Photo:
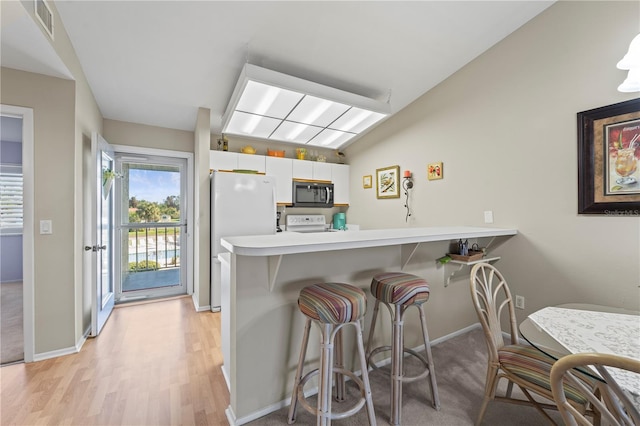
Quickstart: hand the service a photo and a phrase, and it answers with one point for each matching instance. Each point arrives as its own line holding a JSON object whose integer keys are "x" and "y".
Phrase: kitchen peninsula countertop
{"x": 262, "y": 327}
{"x": 292, "y": 243}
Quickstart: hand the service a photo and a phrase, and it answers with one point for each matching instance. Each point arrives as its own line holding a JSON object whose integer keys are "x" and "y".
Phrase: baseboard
{"x": 234, "y": 421}
{"x": 83, "y": 339}
{"x": 226, "y": 377}
{"x": 215, "y": 309}
{"x": 196, "y": 304}
{"x": 54, "y": 354}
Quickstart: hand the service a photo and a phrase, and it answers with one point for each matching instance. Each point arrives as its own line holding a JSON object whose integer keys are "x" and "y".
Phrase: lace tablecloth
{"x": 591, "y": 331}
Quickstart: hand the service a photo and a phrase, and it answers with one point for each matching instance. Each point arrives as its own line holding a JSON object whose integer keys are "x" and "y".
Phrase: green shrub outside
{"x": 144, "y": 265}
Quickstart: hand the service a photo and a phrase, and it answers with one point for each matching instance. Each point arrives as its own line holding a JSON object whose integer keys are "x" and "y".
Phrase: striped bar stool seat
{"x": 402, "y": 291}
{"x": 331, "y": 306}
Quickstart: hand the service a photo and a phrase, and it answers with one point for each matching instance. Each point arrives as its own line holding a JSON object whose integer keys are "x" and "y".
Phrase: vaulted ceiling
{"x": 157, "y": 62}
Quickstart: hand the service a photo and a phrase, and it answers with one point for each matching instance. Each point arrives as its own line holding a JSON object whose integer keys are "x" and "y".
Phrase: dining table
{"x": 579, "y": 328}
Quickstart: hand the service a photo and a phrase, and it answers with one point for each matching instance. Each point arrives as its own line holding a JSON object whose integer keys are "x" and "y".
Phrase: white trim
{"x": 28, "y": 274}
{"x": 192, "y": 261}
{"x": 54, "y": 354}
{"x": 196, "y": 304}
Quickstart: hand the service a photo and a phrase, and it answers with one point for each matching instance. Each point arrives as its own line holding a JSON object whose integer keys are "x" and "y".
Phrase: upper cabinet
{"x": 322, "y": 171}
{"x": 282, "y": 169}
{"x": 251, "y": 162}
{"x": 224, "y": 160}
{"x": 302, "y": 169}
{"x": 285, "y": 170}
{"x": 340, "y": 178}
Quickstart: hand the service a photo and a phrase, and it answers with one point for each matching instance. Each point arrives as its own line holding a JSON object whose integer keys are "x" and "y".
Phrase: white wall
{"x": 505, "y": 128}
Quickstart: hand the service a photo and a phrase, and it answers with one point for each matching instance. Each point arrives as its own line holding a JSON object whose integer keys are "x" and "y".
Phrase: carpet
{"x": 11, "y": 328}
{"x": 461, "y": 364}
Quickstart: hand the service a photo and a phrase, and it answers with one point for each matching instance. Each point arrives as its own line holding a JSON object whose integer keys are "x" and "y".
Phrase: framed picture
{"x": 608, "y": 152}
{"x": 434, "y": 171}
{"x": 366, "y": 181}
{"x": 388, "y": 182}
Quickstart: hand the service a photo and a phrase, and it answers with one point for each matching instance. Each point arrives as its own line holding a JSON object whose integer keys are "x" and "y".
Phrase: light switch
{"x": 46, "y": 227}
{"x": 488, "y": 216}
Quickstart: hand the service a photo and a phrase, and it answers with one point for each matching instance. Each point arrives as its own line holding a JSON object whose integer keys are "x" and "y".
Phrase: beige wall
{"x": 505, "y": 128}
{"x": 141, "y": 135}
{"x": 53, "y": 103}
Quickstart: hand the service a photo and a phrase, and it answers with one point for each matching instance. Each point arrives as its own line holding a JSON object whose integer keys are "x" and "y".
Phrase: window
{"x": 10, "y": 199}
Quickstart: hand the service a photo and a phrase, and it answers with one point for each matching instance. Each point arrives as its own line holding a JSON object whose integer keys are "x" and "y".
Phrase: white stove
{"x": 306, "y": 223}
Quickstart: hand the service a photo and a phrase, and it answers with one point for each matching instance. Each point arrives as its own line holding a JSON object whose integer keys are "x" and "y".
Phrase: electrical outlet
{"x": 520, "y": 302}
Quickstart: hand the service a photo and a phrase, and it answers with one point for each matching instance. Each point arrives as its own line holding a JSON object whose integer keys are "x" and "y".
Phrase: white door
{"x": 102, "y": 218}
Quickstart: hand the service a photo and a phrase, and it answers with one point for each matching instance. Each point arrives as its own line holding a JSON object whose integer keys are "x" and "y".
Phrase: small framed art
{"x": 434, "y": 171}
{"x": 366, "y": 181}
{"x": 388, "y": 182}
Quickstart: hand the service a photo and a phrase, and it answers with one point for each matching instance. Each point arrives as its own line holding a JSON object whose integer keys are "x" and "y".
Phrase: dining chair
{"x": 517, "y": 362}
{"x": 615, "y": 406}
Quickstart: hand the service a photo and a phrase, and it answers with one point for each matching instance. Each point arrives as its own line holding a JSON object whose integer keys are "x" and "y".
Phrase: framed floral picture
{"x": 366, "y": 181}
{"x": 388, "y": 182}
{"x": 434, "y": 171}
{"x": 608, "y": 152}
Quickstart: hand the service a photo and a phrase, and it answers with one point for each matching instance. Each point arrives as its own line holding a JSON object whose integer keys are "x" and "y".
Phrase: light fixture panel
{"x": 270, "y": 101}
{"x": 357, "y": 120}
{"x": 317, "y": 111}
{"x": 295, "y": 132}
{"x": 319, "y": 115}
{"x": 251, "y": 125}
{"x": 329, "y": 138}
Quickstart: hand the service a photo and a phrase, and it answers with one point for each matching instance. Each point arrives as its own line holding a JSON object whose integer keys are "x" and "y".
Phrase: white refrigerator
{"x": 241, "y": 204}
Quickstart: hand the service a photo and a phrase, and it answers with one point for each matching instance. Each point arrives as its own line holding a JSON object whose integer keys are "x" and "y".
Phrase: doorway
{"x": 152, "y": 251}
{"x": 16, "y": 234}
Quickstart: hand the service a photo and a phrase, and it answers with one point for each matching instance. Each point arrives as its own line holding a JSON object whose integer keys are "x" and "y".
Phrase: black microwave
{"x": 312, "y": 194}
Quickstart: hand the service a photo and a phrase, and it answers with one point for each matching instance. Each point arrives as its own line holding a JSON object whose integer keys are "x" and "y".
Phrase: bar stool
{"x": 402, "y": 291}
{"x": 331, "y": 306}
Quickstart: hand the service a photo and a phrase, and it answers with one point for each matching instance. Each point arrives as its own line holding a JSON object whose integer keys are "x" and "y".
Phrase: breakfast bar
{"x": 263, "y": 275}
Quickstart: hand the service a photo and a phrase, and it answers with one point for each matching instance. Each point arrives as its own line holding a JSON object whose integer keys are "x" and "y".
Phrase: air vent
{"x": 43, "y": 12}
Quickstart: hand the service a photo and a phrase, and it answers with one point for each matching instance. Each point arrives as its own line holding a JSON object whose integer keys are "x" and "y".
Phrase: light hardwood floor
{"x": 153, "y": 364}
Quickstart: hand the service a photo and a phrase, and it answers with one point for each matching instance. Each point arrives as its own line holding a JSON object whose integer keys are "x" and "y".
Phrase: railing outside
{"x": 153, "y": 248}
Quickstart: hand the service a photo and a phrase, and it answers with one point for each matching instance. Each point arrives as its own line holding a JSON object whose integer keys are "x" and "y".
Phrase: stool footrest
{"x": 339, "y": 415}
{"x": 405, "y": 379}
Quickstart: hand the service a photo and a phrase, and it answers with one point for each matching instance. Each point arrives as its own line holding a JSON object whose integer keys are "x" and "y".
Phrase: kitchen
{"x": 513, "y": 153}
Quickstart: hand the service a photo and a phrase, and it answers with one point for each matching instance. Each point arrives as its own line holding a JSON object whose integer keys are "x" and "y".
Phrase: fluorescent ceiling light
{"x": 270, "y": 105}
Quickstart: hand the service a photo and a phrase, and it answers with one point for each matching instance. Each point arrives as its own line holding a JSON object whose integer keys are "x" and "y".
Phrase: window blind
{"x": 11, "y": 202}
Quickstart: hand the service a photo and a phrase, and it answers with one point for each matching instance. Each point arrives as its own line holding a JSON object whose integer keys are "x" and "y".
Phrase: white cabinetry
{"x": 285, "y": 170}
{"x": 224, "y": 160}
{"x": 251, "y": 162}
{"x": 340, "y": 178}
{"x": 282, "y": 169}
{"x": 302, "y": 169}
{"x": 313, "y": 170}
{"x": 322, "y": 171}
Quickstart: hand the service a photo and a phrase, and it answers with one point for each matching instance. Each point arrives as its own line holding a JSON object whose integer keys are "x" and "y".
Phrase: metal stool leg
{"x": 365, "y": 376}
{"x": 339, "y": 364}
{"x": 326, "y": 370}
{"x": 397, "y": 351}
{"x": 432, "y": 369}
{"x": 373, "y": 327}
{"x": 303, "y": 352}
